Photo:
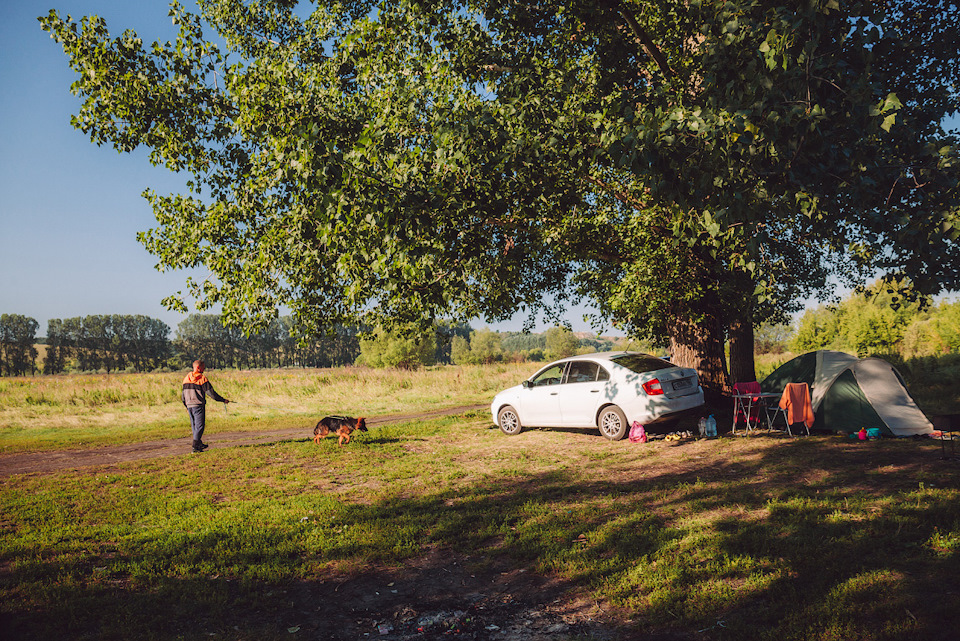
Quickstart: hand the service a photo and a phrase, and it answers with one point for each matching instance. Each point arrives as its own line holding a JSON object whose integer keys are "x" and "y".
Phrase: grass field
{"x": 764, "y": 537}
{"x": 58, "y": 412}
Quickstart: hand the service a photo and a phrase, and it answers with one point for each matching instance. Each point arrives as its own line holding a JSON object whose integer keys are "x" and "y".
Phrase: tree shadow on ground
{"x": 804, "y": 540}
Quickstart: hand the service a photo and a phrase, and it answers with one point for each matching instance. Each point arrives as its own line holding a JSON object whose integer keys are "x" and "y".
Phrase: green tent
{"x": 848, "y": 393}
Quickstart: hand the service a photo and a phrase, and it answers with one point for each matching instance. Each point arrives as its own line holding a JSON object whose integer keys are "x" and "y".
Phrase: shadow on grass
{"x": 806, "y": 540}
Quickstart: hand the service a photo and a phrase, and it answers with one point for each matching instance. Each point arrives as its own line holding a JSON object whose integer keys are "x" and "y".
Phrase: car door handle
{"x": 594, "y": 391}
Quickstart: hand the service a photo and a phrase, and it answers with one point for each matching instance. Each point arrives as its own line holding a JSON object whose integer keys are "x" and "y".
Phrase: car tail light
{"x": 653, "y": 388}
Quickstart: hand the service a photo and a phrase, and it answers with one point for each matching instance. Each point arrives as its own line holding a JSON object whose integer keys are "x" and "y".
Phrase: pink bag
{"x": 637, "y": 433}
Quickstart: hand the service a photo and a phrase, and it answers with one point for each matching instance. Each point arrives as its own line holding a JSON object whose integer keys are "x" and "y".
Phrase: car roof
{"x": 602, "y": 356}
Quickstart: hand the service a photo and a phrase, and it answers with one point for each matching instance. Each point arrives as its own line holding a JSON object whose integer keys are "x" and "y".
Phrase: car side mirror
{"x": 525, "y": 384}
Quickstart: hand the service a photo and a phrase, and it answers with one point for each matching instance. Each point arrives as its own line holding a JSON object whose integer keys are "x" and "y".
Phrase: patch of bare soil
{"x": 441, "y": 595}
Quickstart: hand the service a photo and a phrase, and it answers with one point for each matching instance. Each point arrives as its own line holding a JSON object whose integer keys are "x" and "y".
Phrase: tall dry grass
{"x": 86, "y": 409}
{"x": 765, "y": 364}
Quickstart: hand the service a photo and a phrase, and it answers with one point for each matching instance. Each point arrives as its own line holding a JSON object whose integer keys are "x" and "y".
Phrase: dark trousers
{"x": 197, "y": 420}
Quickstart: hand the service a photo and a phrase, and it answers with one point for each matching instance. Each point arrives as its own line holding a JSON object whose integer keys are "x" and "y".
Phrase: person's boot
{"x": 198, "y": 446}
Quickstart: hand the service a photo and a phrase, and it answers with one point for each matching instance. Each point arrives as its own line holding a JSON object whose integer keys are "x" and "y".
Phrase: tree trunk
{"x": 700, "y": 346}
{"x": 742, "y": 366}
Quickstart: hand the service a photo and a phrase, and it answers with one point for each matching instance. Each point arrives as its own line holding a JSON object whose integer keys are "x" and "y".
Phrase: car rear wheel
{"x": 612, "y": 423}
{"x": 509, "y": 421}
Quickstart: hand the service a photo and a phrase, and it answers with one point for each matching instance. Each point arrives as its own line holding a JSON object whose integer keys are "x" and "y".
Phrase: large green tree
{"x": 690, "y": 166}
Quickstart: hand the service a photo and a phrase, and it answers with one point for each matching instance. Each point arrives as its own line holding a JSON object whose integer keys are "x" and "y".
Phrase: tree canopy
{"x": 686, "y": 165}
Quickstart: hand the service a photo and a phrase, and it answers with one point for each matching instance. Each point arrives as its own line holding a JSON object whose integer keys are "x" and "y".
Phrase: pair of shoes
{"x": 199, "y": 446}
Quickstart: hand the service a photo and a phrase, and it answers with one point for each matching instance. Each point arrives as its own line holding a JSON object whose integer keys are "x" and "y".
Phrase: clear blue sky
{"x": 69, "y": 210}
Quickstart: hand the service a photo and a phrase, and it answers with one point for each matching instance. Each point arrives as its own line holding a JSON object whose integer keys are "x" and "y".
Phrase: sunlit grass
{"x": 765, "y": 364}
{"x": 50, "y": 412}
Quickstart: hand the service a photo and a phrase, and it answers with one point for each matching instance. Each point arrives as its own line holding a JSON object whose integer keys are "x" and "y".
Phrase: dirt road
{"x": 55, "y": 461}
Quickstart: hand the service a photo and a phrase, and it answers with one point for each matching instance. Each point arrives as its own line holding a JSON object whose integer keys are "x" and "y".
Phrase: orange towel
{"x": 796, "y": 400}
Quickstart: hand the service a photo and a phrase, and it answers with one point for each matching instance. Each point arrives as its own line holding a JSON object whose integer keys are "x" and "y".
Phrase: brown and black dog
{"x": 339, "y": 425}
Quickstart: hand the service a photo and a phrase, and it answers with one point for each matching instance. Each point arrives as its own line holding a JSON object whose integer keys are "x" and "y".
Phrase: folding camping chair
{"x": 747, "y": 404}
{"x": 774, "y": 411}
{"x": 796, "y": 406}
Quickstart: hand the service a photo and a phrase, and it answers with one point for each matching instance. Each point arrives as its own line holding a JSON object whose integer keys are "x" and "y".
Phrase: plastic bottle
{"x": 711, "y": 426}
{"x": 702, "y": 425}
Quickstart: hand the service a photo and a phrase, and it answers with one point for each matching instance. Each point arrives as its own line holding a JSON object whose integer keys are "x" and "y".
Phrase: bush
{"x": 483, "y": 348}
{"x": 387, "y": 349}
{"x": 561, "y": 342}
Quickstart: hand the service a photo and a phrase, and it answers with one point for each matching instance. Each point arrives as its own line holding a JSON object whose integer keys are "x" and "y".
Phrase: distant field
{"x": 56, "y": 412}
{"x": 766, "y": 363}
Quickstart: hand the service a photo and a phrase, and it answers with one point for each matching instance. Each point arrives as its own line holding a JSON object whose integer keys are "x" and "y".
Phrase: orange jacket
{"x": 195, "y": 390}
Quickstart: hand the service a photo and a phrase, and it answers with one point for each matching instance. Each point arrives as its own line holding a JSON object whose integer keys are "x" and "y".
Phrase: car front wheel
{"x": 509, "y": 421}
{"x": 612, "y": 423}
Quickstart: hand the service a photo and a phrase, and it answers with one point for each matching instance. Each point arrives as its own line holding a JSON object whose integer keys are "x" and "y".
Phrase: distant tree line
{"x": 116, "y": 342}
{"x": 18, "y": 356}
{"x": 486, "y": 346}
{"x": 881, "y": 320}
{"x": 109, "y": 343}
{"x": 281, "y": 344}
{"x": 136, "y": 343}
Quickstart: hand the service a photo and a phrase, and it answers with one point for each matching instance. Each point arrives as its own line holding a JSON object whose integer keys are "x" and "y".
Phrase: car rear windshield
{"x": 641, "y": 363}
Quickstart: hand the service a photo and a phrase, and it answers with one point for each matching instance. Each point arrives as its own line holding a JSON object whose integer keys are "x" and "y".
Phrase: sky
{"x": 69, "y": 210}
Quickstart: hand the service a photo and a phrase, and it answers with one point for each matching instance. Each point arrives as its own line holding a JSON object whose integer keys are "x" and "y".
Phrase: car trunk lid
{"x": 678, "y": 381}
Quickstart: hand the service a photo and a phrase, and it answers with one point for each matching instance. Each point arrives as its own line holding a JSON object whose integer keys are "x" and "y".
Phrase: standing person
{"x": 194, "y": 397}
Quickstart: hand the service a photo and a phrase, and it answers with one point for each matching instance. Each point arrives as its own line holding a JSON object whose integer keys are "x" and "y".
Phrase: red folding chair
{"x": 746, "y": 404}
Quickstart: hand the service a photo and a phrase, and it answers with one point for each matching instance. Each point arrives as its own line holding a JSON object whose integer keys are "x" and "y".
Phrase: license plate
{"x": 683, "y": 383}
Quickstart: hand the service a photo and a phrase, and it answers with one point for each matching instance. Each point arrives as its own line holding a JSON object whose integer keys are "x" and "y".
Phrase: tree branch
{"x": 646, "y": 42}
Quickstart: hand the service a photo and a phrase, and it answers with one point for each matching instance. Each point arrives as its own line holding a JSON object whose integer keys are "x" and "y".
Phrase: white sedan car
{"x": 607, "y": 390}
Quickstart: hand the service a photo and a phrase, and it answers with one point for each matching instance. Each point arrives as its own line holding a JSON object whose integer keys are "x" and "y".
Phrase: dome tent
{"x": 848, "y": 393}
